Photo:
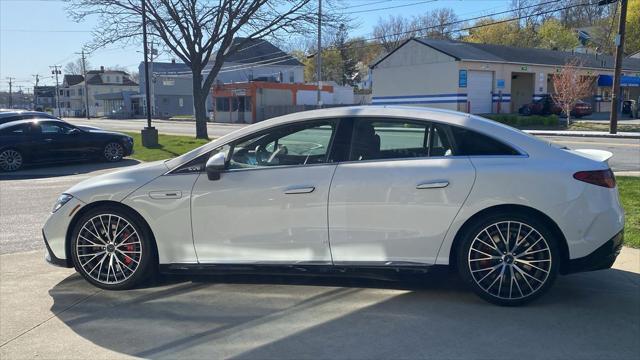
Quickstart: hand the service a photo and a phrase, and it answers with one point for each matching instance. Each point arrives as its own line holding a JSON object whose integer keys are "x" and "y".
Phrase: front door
{"x": 393, "y": 202}
{"x": 270, "y": 206}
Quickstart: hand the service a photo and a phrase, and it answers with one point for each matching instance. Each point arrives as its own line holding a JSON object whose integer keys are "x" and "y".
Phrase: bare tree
{"x": 437, "y": 24}
{"x": 75, "y": 67}
{"x": 201, "y": 33}
{"x": 393, "y": 31}
{"x": 570, "y": 85}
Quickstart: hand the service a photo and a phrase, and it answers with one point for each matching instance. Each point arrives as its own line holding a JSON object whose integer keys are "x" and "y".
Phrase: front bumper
{"x": 51, "y": 258}
{"x": 602, "y": 258}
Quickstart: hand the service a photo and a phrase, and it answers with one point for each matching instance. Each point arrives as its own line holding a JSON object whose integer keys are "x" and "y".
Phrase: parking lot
{"x": 50, "y": 312}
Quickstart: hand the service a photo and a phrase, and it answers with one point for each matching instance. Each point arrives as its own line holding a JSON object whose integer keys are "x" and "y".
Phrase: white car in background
{"x": 343, "y": 189}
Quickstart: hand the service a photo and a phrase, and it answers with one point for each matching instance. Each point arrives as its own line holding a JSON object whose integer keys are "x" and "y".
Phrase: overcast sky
{"x": 35, "y": 34}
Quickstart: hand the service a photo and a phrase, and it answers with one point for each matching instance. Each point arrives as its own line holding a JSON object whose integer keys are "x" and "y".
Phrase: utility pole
{"x": 35, "y": 92}
{"x": 86, "y": 88}
{"x": 319, "y": 55}
{"x": 56, "y": 71}
{"x": 11, "y": 92}
{"x": 617, "y": 69}
{"x": 149, "y": 134}
{"x": 153, "y": 80}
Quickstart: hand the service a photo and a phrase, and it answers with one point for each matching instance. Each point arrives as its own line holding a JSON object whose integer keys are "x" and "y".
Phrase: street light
{"x": 149, "y": 134}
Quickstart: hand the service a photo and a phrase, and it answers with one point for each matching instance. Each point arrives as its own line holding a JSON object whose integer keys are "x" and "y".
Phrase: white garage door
{"x": 479, "y": 88}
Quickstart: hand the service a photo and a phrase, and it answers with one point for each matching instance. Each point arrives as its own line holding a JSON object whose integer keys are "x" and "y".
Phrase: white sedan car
{"x": 346, "y": 189}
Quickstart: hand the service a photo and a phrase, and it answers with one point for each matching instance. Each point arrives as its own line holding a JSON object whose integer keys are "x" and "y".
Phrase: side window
{"x": 389, "y": 139}
{"x": 15, "y": 130}
{"x": 50, "y": 128}
{"x": 299, "y": 144}
{"x": 55, "y": 128}
{"x": 198, "y": 164}
{"x": 440, "y": 144}
{"x": 469, "y": 143}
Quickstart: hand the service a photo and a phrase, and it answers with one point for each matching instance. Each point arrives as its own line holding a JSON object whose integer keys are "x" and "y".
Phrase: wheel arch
{"x": 83, "y": 210}
{"x": 512, "y": 208}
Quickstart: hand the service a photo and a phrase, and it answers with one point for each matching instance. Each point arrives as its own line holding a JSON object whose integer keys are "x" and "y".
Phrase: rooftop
{"x": 500, "y": 53}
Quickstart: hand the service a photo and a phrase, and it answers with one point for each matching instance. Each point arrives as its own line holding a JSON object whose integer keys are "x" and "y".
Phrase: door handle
{"x": 303, "y": 189}
{"x": 165, "y": 194}
{"x": 433, "y": 184}
{"x": 48, "y": 140}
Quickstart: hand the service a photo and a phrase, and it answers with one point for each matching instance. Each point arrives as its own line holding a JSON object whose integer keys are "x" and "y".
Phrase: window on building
{"x": 291, "y": 77}
{"x": 108, "y": 78}
{"x": 299, "y": 144}
{"x": 222, "y": 104}
{"x": 168, "y": 82}
{"x": 80, "y": 92}
{"x": 180, "y": 102}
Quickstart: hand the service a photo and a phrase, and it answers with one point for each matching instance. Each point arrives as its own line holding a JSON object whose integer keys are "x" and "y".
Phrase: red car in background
{"x": 548, "y": 106}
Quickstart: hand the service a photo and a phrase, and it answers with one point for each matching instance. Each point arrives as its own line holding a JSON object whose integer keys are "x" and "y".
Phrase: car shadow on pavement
{"x": 47, "y": 171}
{"x": 591, "y": 315}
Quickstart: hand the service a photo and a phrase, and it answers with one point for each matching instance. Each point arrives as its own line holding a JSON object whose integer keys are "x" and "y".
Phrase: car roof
{"x": 24, "y": 121}
{"x": 9, "y": 113}
{"x": 516, "y": 138}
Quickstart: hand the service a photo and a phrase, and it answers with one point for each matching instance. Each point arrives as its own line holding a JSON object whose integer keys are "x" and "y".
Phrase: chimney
{"x": 173, "y": 61}
{"x": 101, "y": 68}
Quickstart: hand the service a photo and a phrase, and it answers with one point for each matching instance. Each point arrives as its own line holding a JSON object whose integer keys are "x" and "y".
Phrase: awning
{"x": 607, "y": 80}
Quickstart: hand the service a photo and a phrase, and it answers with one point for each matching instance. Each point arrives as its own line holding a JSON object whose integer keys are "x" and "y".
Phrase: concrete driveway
{"x": 50, "y": 312}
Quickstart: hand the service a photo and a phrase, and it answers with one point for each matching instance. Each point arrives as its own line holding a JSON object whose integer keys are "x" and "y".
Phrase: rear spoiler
{"x": 593, "y": 154}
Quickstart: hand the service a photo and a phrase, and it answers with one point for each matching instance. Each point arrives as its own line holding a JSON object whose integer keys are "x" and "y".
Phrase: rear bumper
{"x": 51, "y": 258}
{"x": 602, "y": 258}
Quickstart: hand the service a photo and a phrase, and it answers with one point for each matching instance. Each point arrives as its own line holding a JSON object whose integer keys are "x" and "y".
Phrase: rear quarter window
{"x": 470, "y": 143}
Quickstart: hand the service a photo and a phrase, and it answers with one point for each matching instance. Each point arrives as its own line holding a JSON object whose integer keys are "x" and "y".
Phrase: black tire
{"x": 525, "y": 270}
{"x": 11, "y": 160}
{"x": 135, "y": 264}
{"x": 113, "y": 151}
{"x": 525, "y": 111}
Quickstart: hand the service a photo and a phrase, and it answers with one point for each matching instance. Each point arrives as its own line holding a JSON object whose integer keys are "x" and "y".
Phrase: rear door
{"x": 393, "y": 201}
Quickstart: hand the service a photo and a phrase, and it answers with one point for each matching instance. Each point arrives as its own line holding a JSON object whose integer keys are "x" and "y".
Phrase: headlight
{"x": 62, "y": 199}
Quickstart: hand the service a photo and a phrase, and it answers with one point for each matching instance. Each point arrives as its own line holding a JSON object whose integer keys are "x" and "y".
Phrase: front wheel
{"x": 508, "y": 259}
{"x": 112, "y": 248}
{"x": 113, "y": 151}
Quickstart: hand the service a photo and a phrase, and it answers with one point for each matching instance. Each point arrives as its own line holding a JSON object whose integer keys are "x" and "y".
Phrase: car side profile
{"x": 42, "y": 141}
{"x": 385, "y": 188}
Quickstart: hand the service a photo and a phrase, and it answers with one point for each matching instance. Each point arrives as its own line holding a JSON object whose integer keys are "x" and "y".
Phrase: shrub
{"x": 525, "y": 121}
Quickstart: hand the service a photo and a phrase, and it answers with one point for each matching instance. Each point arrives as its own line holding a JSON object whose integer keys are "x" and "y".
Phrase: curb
{"x": 595, "y": 134}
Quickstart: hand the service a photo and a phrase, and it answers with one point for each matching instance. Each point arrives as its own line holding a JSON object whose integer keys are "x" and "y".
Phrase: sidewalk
{"x": 48, "y": 312}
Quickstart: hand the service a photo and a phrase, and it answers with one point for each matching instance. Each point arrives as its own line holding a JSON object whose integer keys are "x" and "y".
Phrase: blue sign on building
{"x": 500, "y": 83}
{"x": 462, "y": 79}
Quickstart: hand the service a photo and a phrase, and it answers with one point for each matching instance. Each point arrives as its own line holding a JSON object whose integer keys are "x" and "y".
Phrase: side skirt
{"x": 349, "y": 270}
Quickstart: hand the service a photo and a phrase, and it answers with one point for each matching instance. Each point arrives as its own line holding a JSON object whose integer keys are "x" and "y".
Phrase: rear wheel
{"x": 112, "y": 248}
{"x": 10, "y": 160}
{"x": 509, "y": 259}
{"x": 113, "y": 151}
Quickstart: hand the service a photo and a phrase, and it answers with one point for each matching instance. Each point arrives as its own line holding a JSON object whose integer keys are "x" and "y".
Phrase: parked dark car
{"x": 548, "y": 106}
{"x": 13, "y": 115}
{"x": 37, "y": 141}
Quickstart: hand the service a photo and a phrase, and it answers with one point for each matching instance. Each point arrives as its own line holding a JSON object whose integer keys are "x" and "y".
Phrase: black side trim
{"x": 52, "y": 259}
{"x": 602, "y": 258}
{"x": 302, "y": 269}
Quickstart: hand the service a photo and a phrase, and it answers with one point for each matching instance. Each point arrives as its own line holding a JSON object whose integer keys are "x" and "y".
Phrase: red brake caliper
{"x": 129, "y": 247}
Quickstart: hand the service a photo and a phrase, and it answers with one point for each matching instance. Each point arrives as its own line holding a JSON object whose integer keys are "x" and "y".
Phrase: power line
{"x": 389, "y": 7}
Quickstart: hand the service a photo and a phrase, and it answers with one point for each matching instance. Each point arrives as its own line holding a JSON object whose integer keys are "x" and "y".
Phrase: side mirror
{"x": 74, "y": 131}
{"x": 215, "y": 165}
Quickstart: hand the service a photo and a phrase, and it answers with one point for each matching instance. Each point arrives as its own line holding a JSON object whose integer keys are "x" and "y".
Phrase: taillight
{"x": 604, "y": 178}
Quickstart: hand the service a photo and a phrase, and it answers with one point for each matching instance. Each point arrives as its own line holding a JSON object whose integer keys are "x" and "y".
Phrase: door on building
{"x": 479, "y": 88}
{"x": 522, "y": 89}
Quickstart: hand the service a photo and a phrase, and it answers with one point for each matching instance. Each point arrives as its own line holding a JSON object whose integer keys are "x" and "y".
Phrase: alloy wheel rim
{"x": 509, "y": 260}
{"x": 109, "y": 249}
{"x": 113, "y": 151}
{"x": 10, "y": 160}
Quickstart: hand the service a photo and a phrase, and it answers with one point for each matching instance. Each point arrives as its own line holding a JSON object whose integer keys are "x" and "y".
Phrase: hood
{"x": 117, "y": 185}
